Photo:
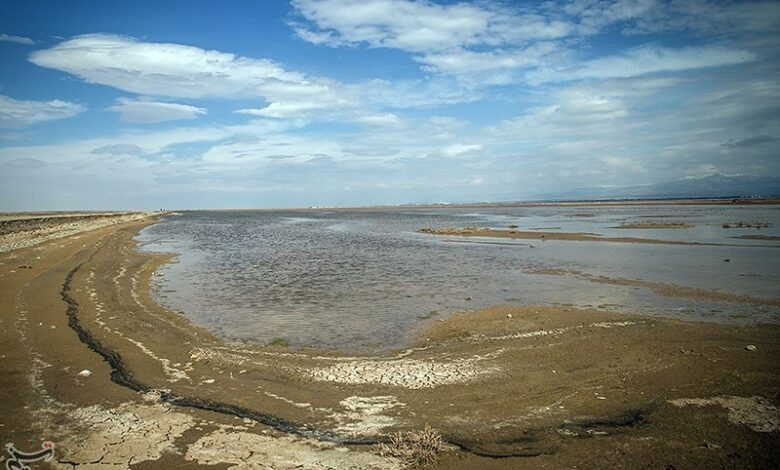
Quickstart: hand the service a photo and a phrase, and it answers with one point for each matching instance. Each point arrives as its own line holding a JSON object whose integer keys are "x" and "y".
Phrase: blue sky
{"x": 233, "y": 104}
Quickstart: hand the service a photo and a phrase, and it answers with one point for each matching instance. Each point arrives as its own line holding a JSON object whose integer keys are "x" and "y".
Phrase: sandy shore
{"x": 90, "y": 362}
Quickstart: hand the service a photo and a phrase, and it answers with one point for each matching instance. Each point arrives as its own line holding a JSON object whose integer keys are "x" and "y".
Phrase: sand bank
{"x": 23, "y": 230}
{"x": 566, "y": 236}
{"x": 758, "y": 237}
{"x": 507, "y": 387}
{"x": 654, "y": 225}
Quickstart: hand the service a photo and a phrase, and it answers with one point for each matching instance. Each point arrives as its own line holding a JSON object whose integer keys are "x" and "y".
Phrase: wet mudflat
{"x": 364, "y": 279}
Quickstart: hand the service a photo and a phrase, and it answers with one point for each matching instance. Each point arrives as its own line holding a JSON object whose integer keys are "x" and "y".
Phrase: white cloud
{"x": 285, "y": 110}
{"x": 634, "y": 128}
{"x": 381, "y": 119}
{"x": 147, "y": 111}
{"x": 576, "y": 113}
{"x": 709, "y": 17}
{"x": 594, "y": 16}
{"x": 16, "y": 39}
{"x": 457, "y": 39}
{"x": 656, "y": 16}
{"x": 18, "y": 113}
{"x": 151, "y": 141}
{"x": 480, "y": 38}
{"x": 413, "y": 26}
{"x": 118, "y": 149}
{"x": 587, "y": 118}
{"x": 174, "y": 70}
{"x": 460, "y": 149}
{"x": 461, "y": 61}
{"x": 179, "y": 71}
{"x": 441, "y": 36}
{"x": 272, "y": 149}
{"x": 621, "y": 131}
{"x": 432, "y": 92}
{"x": 424, "y": 26}
{"x": 642, "y": 61}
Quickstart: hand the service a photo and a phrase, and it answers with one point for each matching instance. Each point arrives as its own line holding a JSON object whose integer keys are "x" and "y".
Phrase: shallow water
{"x": 367, "y": 280}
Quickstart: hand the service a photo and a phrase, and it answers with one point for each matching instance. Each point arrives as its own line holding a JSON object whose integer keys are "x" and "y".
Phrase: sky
{"x": 260, "y": 103}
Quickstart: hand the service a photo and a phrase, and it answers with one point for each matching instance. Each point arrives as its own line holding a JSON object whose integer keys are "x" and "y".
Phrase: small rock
{"x": 209, "y": 381}
{"x": 85, "y": 373}
{"x": 726, "y": 260}
{"x": 509, "y": 315}
{"x": 469, "y": 298}
{"x": 750, "y": 347}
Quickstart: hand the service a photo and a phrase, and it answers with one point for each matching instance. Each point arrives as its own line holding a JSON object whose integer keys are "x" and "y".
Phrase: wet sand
{"x": 653, "y": 225}
{"x": 507, "y": 387}
{"x": 758, "y": 237}
{"x": 565, "y": 236}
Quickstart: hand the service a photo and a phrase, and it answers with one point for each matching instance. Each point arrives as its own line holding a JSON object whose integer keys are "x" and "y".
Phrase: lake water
{"x": 366, "y": 279}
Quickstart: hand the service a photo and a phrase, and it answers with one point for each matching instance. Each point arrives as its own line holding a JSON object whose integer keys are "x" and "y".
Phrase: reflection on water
{"x": 365, "y": 279}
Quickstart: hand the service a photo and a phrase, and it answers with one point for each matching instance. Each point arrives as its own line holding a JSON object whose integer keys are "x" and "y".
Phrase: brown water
{"x": 367, "y": 280}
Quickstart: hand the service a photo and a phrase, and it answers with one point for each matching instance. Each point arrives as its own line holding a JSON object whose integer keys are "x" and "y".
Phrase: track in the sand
{"x": 121, "y": 376}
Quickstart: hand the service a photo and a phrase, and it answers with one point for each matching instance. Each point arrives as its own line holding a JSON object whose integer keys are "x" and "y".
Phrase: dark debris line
{"x": 121, "y": 376}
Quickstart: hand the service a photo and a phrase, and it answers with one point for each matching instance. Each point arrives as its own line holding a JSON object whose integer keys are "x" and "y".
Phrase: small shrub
{"x": 413, "y": 447}
{"x": 280, "y": 342}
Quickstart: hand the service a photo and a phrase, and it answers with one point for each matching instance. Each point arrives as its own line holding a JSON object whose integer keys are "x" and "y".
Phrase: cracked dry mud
{"x": 406, "y": 373}
{"x": 120, "y": 437}
{"x": 755, "y": 412}
{"x": 548, "y": 387}
{"x": 134, "y": 433}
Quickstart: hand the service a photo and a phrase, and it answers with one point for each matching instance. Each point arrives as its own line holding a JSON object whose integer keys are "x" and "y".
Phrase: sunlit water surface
{"x": 367, "y": 280}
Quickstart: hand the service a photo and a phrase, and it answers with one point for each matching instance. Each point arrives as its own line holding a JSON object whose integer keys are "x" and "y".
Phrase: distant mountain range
{"x": 712, "y": 186}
